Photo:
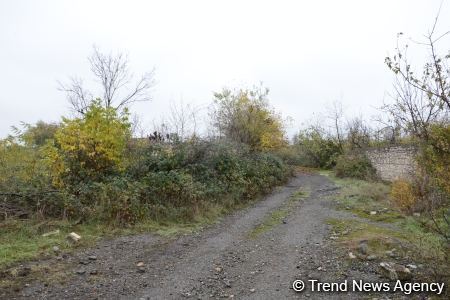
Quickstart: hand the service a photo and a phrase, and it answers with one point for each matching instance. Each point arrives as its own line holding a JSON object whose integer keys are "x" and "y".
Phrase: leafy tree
{"x": 36, "y": 135}
{"x": 244, "y": 116}
{"x": 90, "y": 147}
{"x": 320, "y": 150}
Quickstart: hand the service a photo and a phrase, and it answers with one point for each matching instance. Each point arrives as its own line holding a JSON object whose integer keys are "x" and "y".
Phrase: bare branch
{"x": 117, "y": 89}
{"x": 78, "y": 97}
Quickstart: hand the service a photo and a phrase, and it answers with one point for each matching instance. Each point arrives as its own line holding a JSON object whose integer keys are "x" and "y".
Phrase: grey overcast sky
{"x": 308, "y": 53}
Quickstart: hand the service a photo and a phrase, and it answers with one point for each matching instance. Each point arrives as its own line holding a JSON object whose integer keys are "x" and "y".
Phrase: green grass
{"x": 277, "y": 216}
{"x": 388, "y": 229}
{"x": 358, "y": 230}
{"x": 363, "y": 197}
{"x": 22, "y": 240}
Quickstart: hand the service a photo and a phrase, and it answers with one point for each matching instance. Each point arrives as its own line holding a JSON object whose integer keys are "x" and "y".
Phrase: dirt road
{"x": 227, "y": 260}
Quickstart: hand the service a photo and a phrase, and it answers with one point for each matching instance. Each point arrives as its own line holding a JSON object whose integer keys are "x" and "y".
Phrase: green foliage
{"x": 182, "y": 179}
{"x": 355, "y": 166}
{"x": 244, "y": 116}
{"x": 89, "y": 168}
{"x": 88, "y": 148}
{"x": 435, "y": 156}
{"x": 24, "y": 181}
{"x": 291, "y": 155}
{"x": 318, "y": 149}
{"x": 36, "y": 135}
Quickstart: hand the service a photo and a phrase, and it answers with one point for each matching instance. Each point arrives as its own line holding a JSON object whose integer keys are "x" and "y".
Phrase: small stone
{"x": 73, "y": 237}
{"x": 80, "y": 272}
{"x": 55, "y": 232}
{"x": 227, "y": 283}
{"x": 363, "y": 248}
{"x": 284, "y": 222}
{"x": 351, "y": 255}
{"x": 56, "y": 249}
{"x": 416, "y": 214}
{"x": 141, "y": 270}
{"x": 373, "y": 212}
{"x": 395, "y": 271}
{"x": 92, "y": 257}
{"x": 93, "y": 272}
{"x": 411, "y": 266}
{"x": 252, "y": 290}
{"x": 371, "y": 257}
{"x": 140, "y": 264}
{"x": 218, "y": 269}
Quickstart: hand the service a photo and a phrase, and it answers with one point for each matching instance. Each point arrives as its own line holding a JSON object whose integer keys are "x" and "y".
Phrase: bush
{"x": 93, "y": 177}
{"x": 182, "y": 179}
{"x": 291, "y": 155}
{"x": 88, "y": 148}
{"x": 403, "y": 195}
{"x": 435, "y": 157}
{"x": 317, "y": 149}
{"x": 24, "y": 182}
{"x": 244, "y": 116}
{"x": 354, "y": 166}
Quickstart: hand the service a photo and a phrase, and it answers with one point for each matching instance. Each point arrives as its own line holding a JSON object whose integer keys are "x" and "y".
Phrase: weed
{"x": 277, "y": 216}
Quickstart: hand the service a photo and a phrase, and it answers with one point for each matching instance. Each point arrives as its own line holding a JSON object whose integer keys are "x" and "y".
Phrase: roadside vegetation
{"x": 408, "y": 219}
{"x": 381, "y": 231}
{"x": 91, "y": 173}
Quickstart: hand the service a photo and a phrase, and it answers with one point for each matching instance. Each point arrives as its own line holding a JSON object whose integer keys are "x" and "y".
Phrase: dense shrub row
{"x": 160, "y": 181}
{"x": 90, "y": 167}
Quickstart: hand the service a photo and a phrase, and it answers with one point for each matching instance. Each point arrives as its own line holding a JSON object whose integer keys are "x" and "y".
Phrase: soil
{"x": 221, "y": 261}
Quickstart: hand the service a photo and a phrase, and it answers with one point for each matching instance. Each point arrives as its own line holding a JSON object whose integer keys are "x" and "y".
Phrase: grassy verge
{"x": 26, "y": 240}
{"x": 389, "y": 234}
{"x": 366, "y": 199}
{"x": 22, "y": 240}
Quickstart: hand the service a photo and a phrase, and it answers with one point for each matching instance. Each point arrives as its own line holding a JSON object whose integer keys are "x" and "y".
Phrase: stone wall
{"x": 395, "y": 162}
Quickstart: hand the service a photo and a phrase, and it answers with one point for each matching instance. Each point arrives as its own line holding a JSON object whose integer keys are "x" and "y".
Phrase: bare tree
{"x": 137, "y": 126}
{"x": 118, "y": 89}
{"x": 425, "y": 99}
{"x": 412, "y": 110}
{"x": 336, "y": 114}
{"x": 358, "y": 133}
{"x": 183, "y": 120}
